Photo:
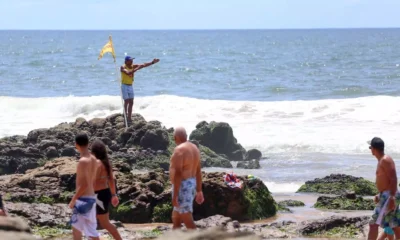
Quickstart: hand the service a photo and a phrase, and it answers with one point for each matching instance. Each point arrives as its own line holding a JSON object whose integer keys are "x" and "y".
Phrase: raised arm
{"x": 143, "y": 65}
{"x": 176, "y": 169}
{"x": 124, "y": 70}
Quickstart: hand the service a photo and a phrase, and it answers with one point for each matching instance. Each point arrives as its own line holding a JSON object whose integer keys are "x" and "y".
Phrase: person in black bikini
{"x": 104, "y": 188}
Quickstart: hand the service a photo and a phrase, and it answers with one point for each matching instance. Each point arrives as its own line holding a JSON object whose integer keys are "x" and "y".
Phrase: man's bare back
{"x": 385, "y": 174}
{"x": 86, "y": 174}
{"x": 190, "y": 157}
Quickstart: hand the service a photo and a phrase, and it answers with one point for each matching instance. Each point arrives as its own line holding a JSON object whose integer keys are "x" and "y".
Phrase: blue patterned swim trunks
{"x": 381, "y": 216}
{"x": 187, "y": 193}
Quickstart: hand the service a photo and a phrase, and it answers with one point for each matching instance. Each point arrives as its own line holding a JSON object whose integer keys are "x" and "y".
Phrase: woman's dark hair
{"x": 100, "y": 152}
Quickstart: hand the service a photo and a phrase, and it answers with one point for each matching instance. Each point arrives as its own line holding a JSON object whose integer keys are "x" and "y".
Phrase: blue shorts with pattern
{"x": 186, "y": 195}
{"x": 387, "y": 219}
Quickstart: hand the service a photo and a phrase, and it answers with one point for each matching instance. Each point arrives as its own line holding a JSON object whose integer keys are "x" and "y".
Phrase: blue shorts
{"x": 127, "y": 91}
{"x": 186, "y": 195}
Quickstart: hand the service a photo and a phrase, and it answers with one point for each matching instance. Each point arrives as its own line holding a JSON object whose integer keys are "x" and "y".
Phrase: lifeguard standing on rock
{"x": 127, "y": 78}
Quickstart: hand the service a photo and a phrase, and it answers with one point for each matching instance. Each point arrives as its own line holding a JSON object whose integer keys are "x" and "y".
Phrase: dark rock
{"x": 155, "y": 139}
{"x": 210, "y": 159}
{"x": 252, "y": 164}
{"x": 97, "y": 123}
{"x": 213, "y": 221}
{"x": 44, "y": 144}
{"x": 350, "y": 195}
{"x": 124, "y": 137}
{"x": 291, "y": 203}
{"x": 155, "y": 186}
{"x": 34, "y": 135}
{"x": 106, "y": 141}
{"x": 219, "y": 138}
{"x": 253, "y": 154}
{"x": 18, "y": 160}
{"x": 324, "y": 225}
{"x": 69, "y": 152}
{"x": 343, "y": 203}
{"x": 51, "y": 152}
{"x": 81, "y": 123}
{"x": 339, "y": 184}
{"x": 41, "y": 214}
{"x": 253, "y": 202}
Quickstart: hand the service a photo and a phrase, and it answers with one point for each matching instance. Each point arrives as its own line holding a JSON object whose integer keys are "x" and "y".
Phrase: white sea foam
{"x": 282, "y": 187}
{"x": 327, "y": 126}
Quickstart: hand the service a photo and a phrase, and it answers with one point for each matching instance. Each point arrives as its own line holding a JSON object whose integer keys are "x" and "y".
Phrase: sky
{"x": 197, "y": 14}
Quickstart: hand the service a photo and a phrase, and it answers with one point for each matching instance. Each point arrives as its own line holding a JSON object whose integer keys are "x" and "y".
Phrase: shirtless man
{"x": 84, "y": 201}
{"x": 387, "y": 209}
{"x": 185, "y": 176}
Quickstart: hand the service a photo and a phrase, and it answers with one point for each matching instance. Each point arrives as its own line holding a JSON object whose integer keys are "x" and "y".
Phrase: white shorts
{"x": 127, "y": 91}
{"x": 84, "y": 216}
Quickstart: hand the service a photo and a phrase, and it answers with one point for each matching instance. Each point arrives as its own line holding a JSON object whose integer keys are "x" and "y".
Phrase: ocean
{"x": 308, "y": 99}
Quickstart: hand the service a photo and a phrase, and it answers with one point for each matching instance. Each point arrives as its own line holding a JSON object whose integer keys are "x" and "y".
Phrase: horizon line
{"x": 204, "y": 29}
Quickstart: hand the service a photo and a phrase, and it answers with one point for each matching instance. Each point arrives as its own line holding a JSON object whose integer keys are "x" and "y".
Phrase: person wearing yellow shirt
{"x": 127, "y": 78}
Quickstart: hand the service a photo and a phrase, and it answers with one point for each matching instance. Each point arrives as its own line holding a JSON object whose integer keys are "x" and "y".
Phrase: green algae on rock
{"x": 291, "y": 203}
{"x": 339, "y": 184}
{"x": 343, "y": 203}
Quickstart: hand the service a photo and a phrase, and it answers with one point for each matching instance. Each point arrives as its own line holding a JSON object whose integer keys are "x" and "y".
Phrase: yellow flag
{"x": 107, "y": 48}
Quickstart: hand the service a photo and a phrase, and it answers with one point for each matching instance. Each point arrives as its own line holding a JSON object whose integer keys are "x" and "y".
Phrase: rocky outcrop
{"x": 211, "y": 159}
{"x": 144, "y": 145}
{"x": 253, "y": 154}
{"x": 252, "y": 164}
{"x": 218, "y": 136}
{"x": 337, "y": 226}
{"x": 291, "y": 203}
{"x": 40, "y": 215}
{"x": 144, "y": 197}
{"x": 15, "y": 229}
{"x": 339, "y": 184}
{"x": 344, "y": 203}
{"x": 16, "y": 156}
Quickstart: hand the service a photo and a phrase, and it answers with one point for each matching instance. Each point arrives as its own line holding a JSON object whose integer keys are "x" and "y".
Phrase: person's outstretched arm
{"x": 143, "y": 65}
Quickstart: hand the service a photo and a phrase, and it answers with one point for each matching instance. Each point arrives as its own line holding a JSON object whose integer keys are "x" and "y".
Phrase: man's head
{"x": 180, "y": 135}
{"x": 129, "y": 60}
{"x": 81, "y": 142}
{"x": 377, "y": 146}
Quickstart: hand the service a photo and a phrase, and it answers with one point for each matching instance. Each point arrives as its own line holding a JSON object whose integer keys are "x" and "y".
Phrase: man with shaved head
{"x": 185, "y": 176}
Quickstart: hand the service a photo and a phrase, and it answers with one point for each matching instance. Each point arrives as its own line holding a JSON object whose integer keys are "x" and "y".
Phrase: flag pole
{"x": 120, "y": 87}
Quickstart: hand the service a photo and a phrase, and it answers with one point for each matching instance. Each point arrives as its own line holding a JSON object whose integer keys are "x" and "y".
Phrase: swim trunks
{"x": 186, "y": 195}
{"x": 103, "y": 201}
{"x": 84, "y": 216}
{"x": 380, "y": 215}
{"x": 127, "y": 91}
